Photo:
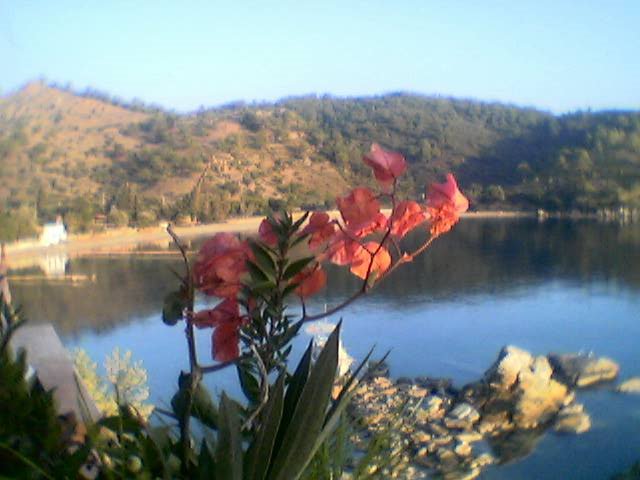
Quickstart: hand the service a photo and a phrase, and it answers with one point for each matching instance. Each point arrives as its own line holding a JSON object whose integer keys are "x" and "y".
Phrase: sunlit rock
{"x": 630, "y": 386}
{"x": 583, "y": 370}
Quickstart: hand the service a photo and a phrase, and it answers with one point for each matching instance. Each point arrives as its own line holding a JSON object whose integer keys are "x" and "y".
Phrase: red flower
{"x": 266, "y": 233}
{"x": 343, "y": 249}
{"x": 224, "y": 312}
{"x": 226, "y": 321}
{"x": 220, "y": 265}
{"x": 387, "y": 165}
{"x": 310, "y": 281}
{"x": 362, "y": 259}
{"x": 320, "y": 228}
{"x": 225, "y": 342}
{"x": 359, "y": 209}
{"x": 405, "y": 217}
{"x": 445, "y": 204}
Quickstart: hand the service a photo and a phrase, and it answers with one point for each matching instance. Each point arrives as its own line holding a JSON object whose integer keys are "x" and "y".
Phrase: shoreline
{"x": 118, "y": 239}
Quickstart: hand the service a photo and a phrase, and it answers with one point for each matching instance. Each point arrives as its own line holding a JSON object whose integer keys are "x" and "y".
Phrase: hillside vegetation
{"x": 87, "y": 155}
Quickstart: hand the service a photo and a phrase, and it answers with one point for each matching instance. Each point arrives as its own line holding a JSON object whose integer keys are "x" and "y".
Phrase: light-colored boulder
{"x": 538, "y": 397}
{"x": 504, "y": 372}
{"x": 583, "y": 370}
{"x": 462, "y": 416}
{"x": 630, "y": 386}
{"x": 574, "y": 423}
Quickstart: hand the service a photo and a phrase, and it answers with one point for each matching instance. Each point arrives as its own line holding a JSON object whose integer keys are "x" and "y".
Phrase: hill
{"x": 84, "y": 155}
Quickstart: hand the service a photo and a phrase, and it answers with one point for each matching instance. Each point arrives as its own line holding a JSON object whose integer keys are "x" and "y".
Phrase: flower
{"x": 225, "y": 311}
{"x": 386, "y": 165}
{"x": 226, "y": 321}
{"x": 363, "y": 258}
{"x": 445, "y": 204}
{"x": 266, "y": 233}
{"x": 359, "y": 209}
{"x": 320, "y": 228}
{"x": 225, "y": 342}
{"x": 310, "y": 281}
{"x": 405, "y": 217}
{"x": 343, "y": 249}
{"x": 220, "y": 265}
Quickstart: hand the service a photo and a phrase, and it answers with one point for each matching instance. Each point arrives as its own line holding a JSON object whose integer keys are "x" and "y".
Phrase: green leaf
{"x": 257, "y": 275}
{"x": 298, "y": 223}
{"x": 300, "y": 440}
{"x": 250, "y": 384}
{"x": 260, "y": 453}
{"x": 229, "y": 449}
{"x": 206, "y": 462}
{"x": 174, "y": 305}
{"x": 296, "y": 267}
{"x": 202, "y": 407}
{"x": 263, "y": 259}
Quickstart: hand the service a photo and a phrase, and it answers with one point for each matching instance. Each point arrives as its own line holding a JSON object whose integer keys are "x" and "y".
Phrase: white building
{"x": 53, "y": 233}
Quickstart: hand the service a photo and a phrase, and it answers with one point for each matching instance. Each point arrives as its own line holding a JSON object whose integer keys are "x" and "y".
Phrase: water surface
{"x": 554, "y": 286}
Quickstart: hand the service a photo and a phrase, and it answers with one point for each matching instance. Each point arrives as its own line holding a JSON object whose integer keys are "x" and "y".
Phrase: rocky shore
{"x": 454, "y": 433}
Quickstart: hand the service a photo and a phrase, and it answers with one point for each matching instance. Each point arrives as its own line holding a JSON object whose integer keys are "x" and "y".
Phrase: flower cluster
{"x": 363, "y": 239}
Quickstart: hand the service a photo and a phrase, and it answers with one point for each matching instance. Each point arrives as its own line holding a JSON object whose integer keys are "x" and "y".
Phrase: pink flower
{"x": 445, "y": 204}
{"x": 266, "y": 233}
{"x": 359, "y": 209}
{"x": 226, "y": 321}
{"x": 405, "y": 217}
{"x": 310, "y": 281}
{"x": 362, "y": 260}
{"x": 387, "y": 165}
{"x": 220, "y": 265}
{"x": 343, "y": 249}
{"x": 320, "y": 228}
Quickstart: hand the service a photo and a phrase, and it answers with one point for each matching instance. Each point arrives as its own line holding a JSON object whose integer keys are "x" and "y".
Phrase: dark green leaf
{"x": 206, "y": 462}
{"x": 229, "y": 449}
{"x": 174, "y": 305}
{"x": 299, "y": 442}
{"x": 298, "y": 223}
{"x": 296, "y": 267}
{"x": 260, "y": 453}
{"x": 257, "y": 275}
{"x": 249, "y": 383}
{"x": 263, "y": 259}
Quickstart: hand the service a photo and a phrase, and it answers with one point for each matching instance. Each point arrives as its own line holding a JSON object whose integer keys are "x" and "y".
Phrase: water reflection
{"x": 496, "y": 257}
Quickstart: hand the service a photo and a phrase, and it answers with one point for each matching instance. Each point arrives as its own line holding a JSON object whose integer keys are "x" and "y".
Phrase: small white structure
{"x": 53, "y": 233}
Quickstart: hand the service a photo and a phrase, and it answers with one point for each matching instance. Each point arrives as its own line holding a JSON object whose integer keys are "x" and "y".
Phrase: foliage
{"x": 517, "y": 158}
{"x": 125, "y": 384}
{"x": 291, "y": 423}
{"x": 32, "y": 442}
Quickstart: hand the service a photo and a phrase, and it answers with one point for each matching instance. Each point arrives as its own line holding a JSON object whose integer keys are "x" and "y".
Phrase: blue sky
{"x": 554, "y": 55}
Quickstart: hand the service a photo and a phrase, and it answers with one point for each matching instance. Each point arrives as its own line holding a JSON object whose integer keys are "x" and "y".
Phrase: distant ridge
{"x": 83, "y": 155}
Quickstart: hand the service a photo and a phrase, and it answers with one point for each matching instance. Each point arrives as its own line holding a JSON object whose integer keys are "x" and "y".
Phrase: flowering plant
{"x": 253, "y": 327}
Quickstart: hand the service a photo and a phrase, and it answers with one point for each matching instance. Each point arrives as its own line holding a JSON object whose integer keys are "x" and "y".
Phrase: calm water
{"x": 554, "y": 286}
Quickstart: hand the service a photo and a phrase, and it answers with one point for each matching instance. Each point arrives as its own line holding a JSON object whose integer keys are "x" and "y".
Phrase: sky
{"x": 560, "y": 55}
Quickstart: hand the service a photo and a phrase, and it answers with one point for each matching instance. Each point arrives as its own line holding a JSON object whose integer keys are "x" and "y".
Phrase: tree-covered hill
{"x": 86, "y": 155}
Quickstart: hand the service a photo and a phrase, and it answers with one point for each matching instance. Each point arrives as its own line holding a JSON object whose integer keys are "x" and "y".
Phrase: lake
{"x": 553, "y": 286}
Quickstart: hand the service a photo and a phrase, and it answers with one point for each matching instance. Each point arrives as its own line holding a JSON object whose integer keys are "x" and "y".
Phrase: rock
{"x": 583, "y": 370}
{"x": 469, "y": 437}
{"x": 420, "y": 437}
{"x": 575, "y": 423}
{"x": 483, "y": 460}
{"x": 538, "y": 397}
{"x": 504, "y": 372}
{"x": 462, "y": 449}
{"x": 462, "y": 474}
{"x": 417, "y": 392}
{"x": 630, "y": 386}
{"x": 462, "y": 416}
